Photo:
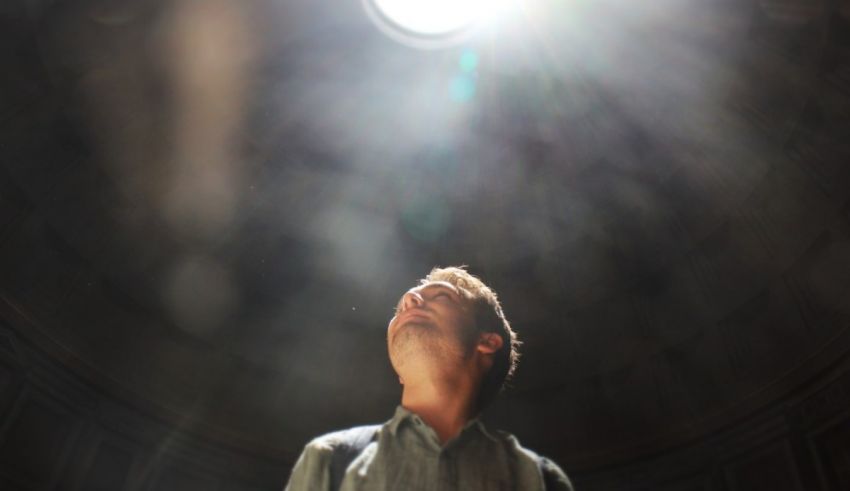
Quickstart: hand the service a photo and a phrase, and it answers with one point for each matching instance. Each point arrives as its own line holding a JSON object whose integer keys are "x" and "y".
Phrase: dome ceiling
{"x": 213, "y": 207}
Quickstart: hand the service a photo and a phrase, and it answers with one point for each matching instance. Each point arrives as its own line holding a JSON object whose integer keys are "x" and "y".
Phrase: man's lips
{"x": 412, "y": 315}
{"x": 407, "y": 318}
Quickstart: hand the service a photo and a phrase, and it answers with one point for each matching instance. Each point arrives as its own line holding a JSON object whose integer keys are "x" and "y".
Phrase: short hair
{"x": 489, "y": 317}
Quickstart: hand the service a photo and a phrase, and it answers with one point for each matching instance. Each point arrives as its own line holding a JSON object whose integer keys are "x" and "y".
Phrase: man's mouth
{"x": 412, "y": 320}
{"x": 413, "y": 315}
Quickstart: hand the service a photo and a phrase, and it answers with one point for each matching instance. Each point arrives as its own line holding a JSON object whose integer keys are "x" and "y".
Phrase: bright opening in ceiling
{"x": 431, "y": 22}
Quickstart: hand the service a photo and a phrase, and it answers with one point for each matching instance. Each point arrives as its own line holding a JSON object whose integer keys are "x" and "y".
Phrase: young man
{"x": 452, "y": 350}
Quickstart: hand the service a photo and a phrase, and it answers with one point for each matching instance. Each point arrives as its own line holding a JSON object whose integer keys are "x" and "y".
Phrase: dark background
{"x": 208, "y": 210}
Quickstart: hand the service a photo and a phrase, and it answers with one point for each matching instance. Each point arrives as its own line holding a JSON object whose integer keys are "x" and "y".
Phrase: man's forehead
{"x": 437, "y": 285}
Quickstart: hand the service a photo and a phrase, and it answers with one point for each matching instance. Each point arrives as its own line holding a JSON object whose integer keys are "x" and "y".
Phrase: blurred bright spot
{"x": 462, "y": 88}
{"x": 208, "y": 48}
{"x": 468, "y": 61}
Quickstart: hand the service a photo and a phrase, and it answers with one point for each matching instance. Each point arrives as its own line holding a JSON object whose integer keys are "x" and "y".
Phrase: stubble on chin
{"x": 408, "y": 343}
{"x": 418, "y": 345}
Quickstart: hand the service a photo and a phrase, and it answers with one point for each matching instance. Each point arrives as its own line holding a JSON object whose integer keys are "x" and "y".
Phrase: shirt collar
{"x": 402, "y": 414}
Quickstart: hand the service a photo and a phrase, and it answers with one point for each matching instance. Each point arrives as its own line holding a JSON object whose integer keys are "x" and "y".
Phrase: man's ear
{"x": 489, "y": 342}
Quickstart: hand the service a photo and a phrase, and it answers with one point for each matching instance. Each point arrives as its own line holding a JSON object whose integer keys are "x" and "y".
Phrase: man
{"x": 452, "y": 349}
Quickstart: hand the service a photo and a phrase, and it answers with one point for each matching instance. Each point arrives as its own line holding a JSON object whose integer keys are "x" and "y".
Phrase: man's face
{"x": 434, "y": 323}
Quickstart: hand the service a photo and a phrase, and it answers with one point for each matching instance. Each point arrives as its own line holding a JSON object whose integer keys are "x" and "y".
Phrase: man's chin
{"x": 406, "y": 347}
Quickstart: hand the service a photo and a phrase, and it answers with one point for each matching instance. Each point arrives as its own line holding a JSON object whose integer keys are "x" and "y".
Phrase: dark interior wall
{"x": 800, "y": 444}
{"x": 59, "y": 432}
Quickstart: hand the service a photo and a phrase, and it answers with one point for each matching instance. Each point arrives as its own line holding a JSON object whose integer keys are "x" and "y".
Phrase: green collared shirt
{"x": 407, "y": 455}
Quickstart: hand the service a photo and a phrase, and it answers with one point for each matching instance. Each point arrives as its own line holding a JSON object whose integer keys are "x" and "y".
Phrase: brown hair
{"x": 489, "y": 317}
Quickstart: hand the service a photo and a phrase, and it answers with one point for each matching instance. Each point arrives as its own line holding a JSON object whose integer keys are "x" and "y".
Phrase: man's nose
{"x": 411, "y": 299}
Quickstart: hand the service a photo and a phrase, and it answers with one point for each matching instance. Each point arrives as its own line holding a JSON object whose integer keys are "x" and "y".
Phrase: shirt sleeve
{"x": 312, "y": 471}
{"x": 554, "y": 478}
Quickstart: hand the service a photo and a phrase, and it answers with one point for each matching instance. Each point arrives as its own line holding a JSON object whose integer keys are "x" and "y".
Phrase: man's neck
{"x": 444, "y": 407}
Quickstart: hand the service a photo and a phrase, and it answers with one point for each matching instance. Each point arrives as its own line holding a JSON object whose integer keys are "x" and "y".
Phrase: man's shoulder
{"x": 554, "y": 477}
{"x": 509, "y": 440}
{"x": 344, "y": 439}
{"x": 325, "y": 458}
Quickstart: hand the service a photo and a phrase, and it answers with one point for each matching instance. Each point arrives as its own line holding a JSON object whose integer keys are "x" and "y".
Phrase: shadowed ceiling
{"x": 211, "y": 207}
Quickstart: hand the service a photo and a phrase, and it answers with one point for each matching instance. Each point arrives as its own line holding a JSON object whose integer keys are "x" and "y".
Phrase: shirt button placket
{"x": 447, "y": 471}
